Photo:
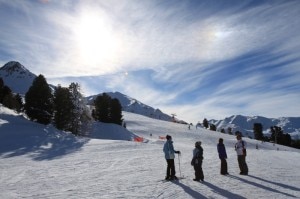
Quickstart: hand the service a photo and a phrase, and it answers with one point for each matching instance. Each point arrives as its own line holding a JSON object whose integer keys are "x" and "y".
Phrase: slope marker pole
{"x": 179, "y": 165}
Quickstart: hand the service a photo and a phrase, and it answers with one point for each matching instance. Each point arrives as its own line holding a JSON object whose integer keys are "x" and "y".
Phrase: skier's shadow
{"x": 189, "y": 191}
{"x": 223, "y": 192}
{"x": 261, "y": 186}
{"x": 215, "y": 189}
{"x": 276, "y": 183}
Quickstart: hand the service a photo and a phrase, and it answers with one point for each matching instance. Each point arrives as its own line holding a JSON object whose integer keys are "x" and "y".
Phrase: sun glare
{"x": 95, "y": 39}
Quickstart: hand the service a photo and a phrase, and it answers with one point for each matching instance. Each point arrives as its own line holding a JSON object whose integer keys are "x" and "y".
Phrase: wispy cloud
{"x": 200, "y": 58}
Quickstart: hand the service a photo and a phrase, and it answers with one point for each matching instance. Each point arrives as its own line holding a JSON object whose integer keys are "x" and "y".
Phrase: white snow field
{"x": 38, "y": 161}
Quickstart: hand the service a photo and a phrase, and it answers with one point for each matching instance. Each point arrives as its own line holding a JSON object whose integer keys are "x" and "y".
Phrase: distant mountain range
{"x": 19, "y": 79}
{"x": 245, "y": 124}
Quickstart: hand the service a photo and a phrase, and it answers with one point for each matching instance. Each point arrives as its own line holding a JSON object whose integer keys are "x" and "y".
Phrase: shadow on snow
{"x": 263, "y": 186}
{"x": 41, "y": 142}
{"x": 214, "y": 188}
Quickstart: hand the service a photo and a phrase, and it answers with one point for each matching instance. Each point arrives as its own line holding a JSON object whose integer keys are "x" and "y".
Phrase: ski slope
{"x": 38, "y": 161}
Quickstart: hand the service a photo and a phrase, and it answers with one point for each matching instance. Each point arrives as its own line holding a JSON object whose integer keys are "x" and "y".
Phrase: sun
{"x": 95, "y": 39}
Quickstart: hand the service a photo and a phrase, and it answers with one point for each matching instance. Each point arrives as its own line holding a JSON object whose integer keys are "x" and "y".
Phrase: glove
{"x": 177, "y": 152}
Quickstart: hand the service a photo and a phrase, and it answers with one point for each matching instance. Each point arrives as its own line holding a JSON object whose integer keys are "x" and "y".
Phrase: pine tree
{"x": 258, "y": 131}
{"x": 8, "y": 99}
{"x": 62, "y": 108}
{"x": 80, "y": 113}
{"x": 19, "y": 103}
{"x": 4, "y": 91}
{"x": 116, "y": 112}
{"x": 212, "y": 127}
{"x": 229, "y": 130}
{"x": 205, "y": 123}
{"x": 1, "y": 90}
{"x": 102, "y": 108}
{"x": 39, "y": 101}
{"x": 107, "y": 110}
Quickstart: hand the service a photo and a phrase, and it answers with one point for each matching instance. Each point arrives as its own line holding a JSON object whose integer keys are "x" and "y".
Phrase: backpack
{"x": 197, "y": 159}
{"x": 244, "y": 150}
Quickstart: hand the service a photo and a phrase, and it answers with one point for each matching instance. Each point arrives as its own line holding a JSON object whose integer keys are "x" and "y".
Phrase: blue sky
{"x": 196, "y": 58}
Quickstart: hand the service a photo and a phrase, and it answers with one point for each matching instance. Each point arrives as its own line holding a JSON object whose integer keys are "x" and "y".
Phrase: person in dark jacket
{"x": 223, "y": 156}
{"x": 197, "y": 162}
{"x": 170, "y": 156}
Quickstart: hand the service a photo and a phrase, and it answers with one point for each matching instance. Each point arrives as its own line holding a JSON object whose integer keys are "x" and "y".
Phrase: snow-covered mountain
{"x": 245, "y": 124}
{"x": 17, "y": 77}
{"x": 134, "y": 106}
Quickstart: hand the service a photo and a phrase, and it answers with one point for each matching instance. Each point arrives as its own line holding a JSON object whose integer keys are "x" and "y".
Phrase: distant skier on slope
{"x": 197, "y": 162}
{"x": 170, "y": 156}
{"x": 223, "y": 156}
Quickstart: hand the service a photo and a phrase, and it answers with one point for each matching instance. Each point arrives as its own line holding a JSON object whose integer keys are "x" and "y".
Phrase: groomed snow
{"x": 38, "y": 161}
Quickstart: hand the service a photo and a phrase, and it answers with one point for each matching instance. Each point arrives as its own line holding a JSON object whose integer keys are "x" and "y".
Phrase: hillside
{"x": 38, "y": 161}
{"x": 134, "y": 106}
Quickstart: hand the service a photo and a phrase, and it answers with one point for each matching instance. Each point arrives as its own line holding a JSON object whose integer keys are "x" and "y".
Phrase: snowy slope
{"x": 38, "y": 161}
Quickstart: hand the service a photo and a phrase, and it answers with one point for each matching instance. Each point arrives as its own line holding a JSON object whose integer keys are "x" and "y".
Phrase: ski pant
{"x": 198, "y": 171}
{"x": 223, "y": 166}
{"x": 242, "y": 164}
{"x": 170, "y": 168}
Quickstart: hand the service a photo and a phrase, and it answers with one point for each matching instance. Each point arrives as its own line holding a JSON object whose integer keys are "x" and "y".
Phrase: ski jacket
{"x": 198, "y": 152}
{"x": 169, "y": 150}
{"x": 197, "y": 156}
{"x": 239, "y": 146}
{"x": 222, "y": 151}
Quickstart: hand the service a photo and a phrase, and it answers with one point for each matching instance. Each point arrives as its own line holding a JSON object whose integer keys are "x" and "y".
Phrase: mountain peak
{"x": 14, "y": 67}
{"x": 16, "y": 76}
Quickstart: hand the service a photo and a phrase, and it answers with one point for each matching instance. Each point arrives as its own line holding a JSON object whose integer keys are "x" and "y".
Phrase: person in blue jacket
{"x": 170, "y": 156}
{"x": 223, "y": 156}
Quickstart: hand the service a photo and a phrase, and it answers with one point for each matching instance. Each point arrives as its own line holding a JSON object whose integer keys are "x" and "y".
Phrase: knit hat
{"x": 198, "y": 143}
{"x": 168, "y": 137}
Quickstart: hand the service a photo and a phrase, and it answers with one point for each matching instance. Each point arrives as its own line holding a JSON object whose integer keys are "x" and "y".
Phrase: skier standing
{"x": 170, "y": 156}
{"x": 240, "y": 148}
{"x": 222, "y": 155}
{"x": 197, "y": 162}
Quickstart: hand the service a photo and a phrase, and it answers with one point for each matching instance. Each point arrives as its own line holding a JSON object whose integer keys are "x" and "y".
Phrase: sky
{"x": 196, "y": 59}
{"x": 39, "y": 161}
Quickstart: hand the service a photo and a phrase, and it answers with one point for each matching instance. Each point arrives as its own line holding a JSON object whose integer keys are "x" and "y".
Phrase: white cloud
{"x": 185, "y": 51}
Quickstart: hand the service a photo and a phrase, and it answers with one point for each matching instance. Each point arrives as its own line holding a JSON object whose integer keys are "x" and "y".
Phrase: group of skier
{"x": 240, "y": 148}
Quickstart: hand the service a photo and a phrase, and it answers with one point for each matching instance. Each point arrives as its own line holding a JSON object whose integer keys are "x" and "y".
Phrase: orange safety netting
{"x": 138, "y": 139}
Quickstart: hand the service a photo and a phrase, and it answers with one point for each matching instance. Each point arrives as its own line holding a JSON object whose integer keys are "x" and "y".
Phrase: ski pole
{"x": 179, "y": 165}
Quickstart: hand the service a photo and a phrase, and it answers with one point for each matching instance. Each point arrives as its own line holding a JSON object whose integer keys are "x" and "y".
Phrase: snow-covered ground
{"x": 38, "y": 161}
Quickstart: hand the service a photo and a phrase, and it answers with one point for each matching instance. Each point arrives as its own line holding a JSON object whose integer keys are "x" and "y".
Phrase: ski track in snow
{"x": 125, "y": 169}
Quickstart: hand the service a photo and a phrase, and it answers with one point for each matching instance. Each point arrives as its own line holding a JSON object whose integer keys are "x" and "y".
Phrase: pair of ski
{"x": 173, "y": 180}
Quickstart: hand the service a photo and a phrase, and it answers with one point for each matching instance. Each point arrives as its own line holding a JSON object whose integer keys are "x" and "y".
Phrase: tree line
{"x": 64, "y": 107}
